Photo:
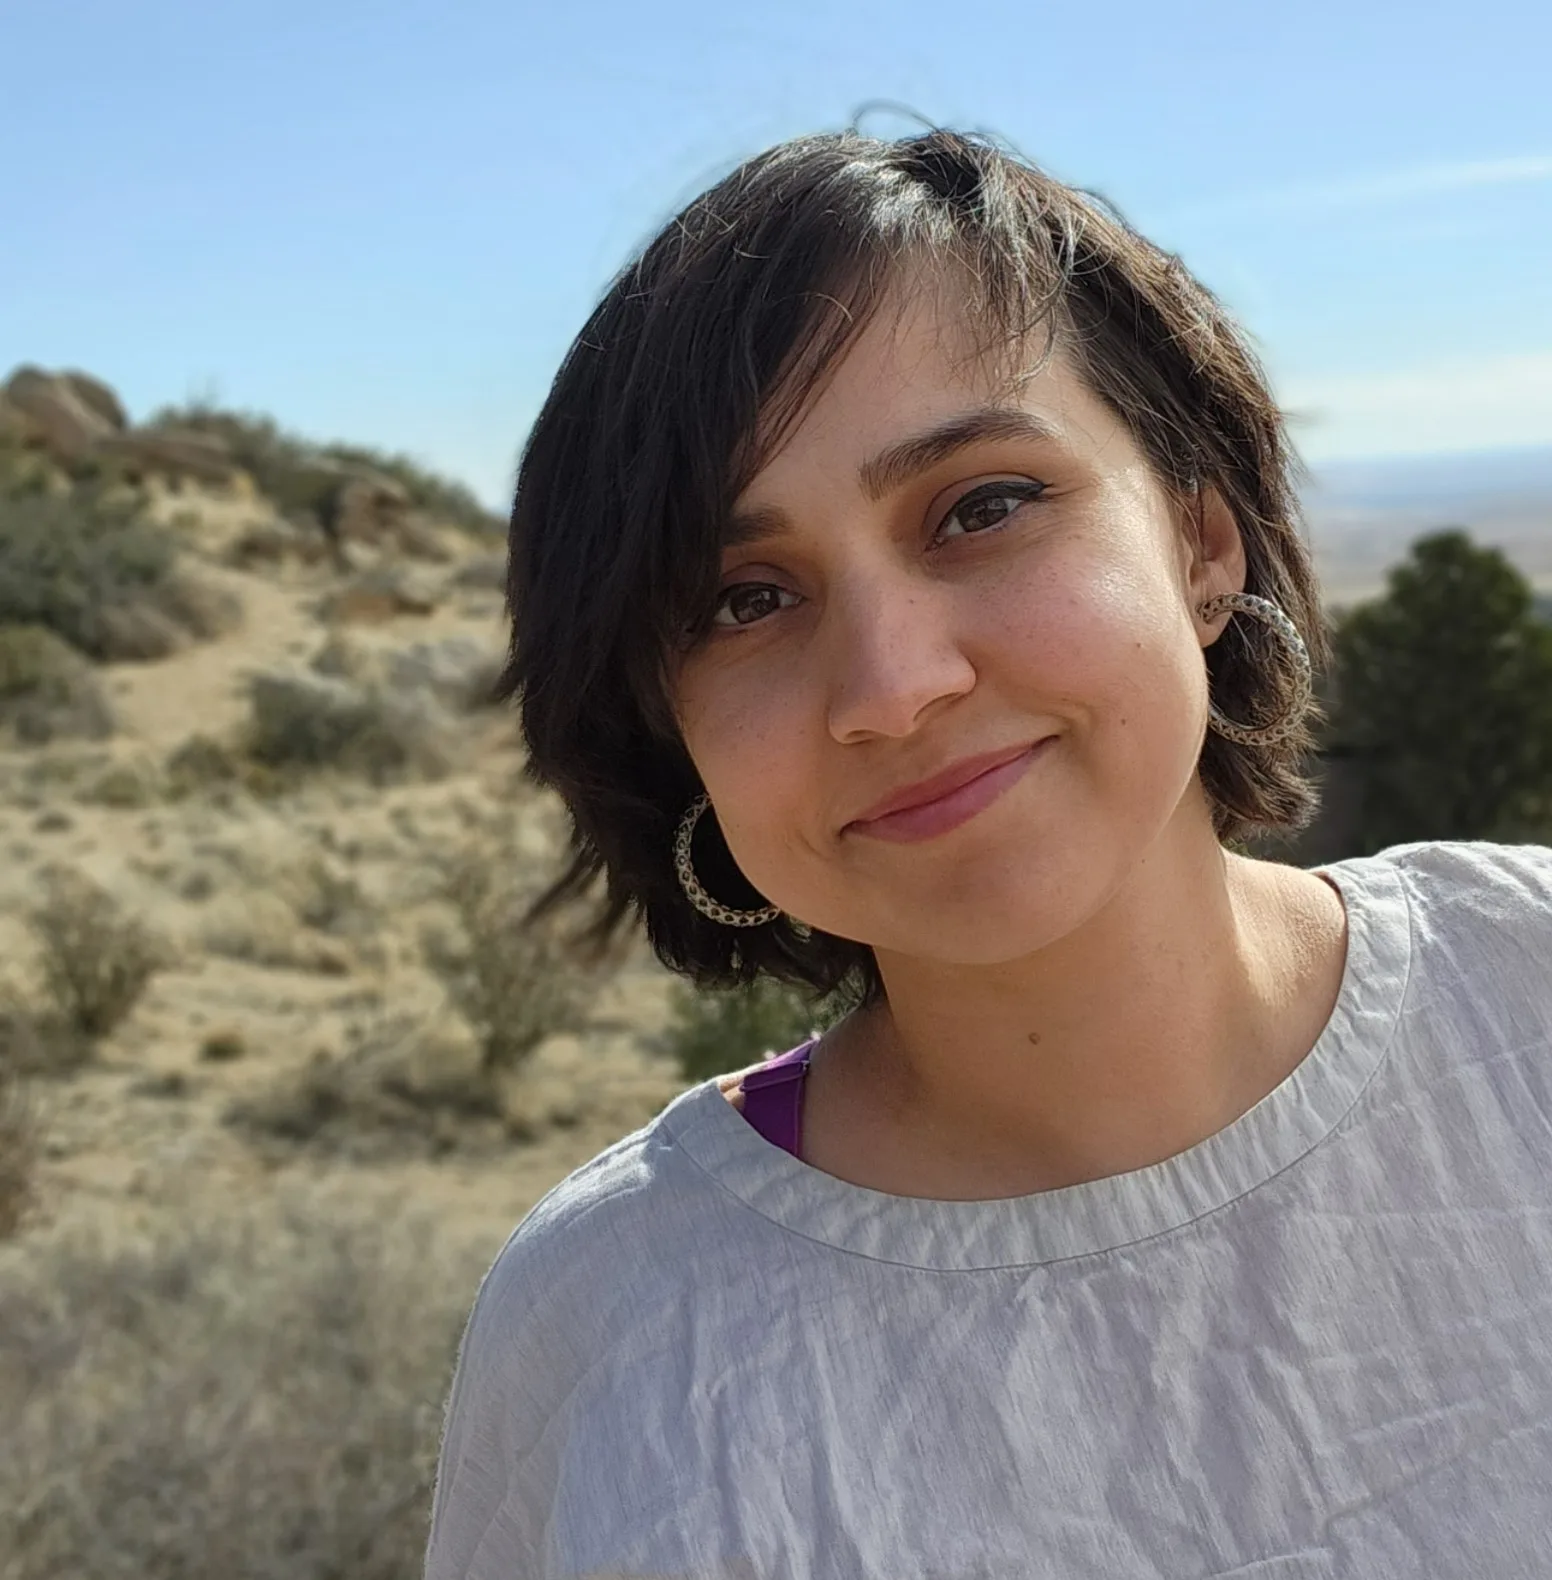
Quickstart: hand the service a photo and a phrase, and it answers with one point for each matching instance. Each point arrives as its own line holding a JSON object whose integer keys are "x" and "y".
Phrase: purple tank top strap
{"x": 773, "y": 1097}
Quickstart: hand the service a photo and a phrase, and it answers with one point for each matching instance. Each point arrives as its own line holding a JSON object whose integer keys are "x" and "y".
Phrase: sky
{"x": 385, "y": 223}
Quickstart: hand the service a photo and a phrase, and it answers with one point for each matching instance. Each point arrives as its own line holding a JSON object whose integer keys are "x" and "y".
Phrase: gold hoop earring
{"x": 698, "y": 897}
{"x": 1287, "y": 633}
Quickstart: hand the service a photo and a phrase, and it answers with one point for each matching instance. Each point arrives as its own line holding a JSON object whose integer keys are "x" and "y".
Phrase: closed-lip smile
{"x": 941, "y": 785}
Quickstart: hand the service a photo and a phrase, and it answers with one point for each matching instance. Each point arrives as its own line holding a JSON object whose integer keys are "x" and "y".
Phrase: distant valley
{"x": 1362, "y": 515}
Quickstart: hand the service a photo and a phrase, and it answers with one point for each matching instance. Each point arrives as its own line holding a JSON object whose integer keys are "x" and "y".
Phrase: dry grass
{"x": 262, "y": 929}
{"x": 257, "y": 1398}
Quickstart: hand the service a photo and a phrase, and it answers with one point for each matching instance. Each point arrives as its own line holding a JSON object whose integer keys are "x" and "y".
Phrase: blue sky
{"x": 386, "y": 222}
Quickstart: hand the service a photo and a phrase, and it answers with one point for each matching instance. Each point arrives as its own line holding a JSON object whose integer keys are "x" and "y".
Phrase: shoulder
{"x": 1475, "y": 879}
{"x": 605, "y": 1227}
{"x": 1478, "y": 923}
{"x": 598, "y": 1258}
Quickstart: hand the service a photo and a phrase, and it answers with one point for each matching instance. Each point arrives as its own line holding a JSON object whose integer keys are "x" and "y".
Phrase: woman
{"x": 907, "y": 594}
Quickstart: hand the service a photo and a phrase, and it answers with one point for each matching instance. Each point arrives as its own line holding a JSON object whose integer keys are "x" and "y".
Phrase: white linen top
{"x": 1315, "y": 1344}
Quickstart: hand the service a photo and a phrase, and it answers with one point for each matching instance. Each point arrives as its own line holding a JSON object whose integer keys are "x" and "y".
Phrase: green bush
{"x": 717, "y": 1030}
{"x": 47, "y": 690}
{"x": 1444, "y": 700}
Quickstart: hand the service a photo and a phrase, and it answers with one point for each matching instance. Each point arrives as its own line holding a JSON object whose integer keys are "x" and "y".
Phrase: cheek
{"x": 744, "y": 736}
{"x": 1111, "y": 643}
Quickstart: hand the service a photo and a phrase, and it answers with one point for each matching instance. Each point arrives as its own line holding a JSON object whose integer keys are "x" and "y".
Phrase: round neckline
{"x": 1098, "y": 1215}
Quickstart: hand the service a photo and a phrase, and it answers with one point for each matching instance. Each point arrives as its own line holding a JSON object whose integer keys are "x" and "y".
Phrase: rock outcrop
{"x": 177, "y": 452}
{"x": 68, "y": 415}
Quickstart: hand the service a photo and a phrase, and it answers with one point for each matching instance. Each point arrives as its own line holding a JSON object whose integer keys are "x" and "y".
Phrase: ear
{"x": 1216, "y": 557}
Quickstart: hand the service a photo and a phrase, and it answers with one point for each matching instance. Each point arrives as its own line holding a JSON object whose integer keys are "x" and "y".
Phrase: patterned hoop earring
{"x": 698, "y": 897}
{"x": 1287, "y": 633}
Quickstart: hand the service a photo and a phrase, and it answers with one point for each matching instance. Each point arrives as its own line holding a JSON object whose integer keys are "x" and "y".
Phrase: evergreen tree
{"x": 1444, "y": 700}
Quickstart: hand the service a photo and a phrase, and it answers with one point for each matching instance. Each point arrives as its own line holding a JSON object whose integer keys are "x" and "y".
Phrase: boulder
{"x": 455, "y": 672}
{"x": 371, "y": 509}
{"x": 98, "y": 396}
{"x": 420, "y": 538}
{"x": 487, "y": 572}
{"x": 377, "y": 596}
{"x": 273, "y": 542}
{"x": 54, "y": 415}
{"x": 345, "y": 656}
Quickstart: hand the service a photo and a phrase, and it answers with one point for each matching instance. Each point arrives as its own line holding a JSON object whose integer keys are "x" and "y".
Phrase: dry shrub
{"x": 306, "y": 915}
{"x": 91, "y": 568}
{"x": 36, "y": 1039}
{"x": 260, "y": 928}
{"x": 131, "y": 785}
{"x": 19, "y": 1146}
{"x": 94, "y": 959}
{"x": 254, "y": 1398}
{"x": 515, "y": 979}
{"x": 326, "y": 898}
{"x": 185, "y": 606}
{"x": 202, "y": 766}
{"x": 311, "y": 722}
{"x": 47, "y": 690}
{"x": 221, "y": 1047}
{"x": 399, "y": 1091}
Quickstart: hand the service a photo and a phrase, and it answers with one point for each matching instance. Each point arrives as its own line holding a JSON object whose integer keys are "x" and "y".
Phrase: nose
{"x": 894, "y": 654}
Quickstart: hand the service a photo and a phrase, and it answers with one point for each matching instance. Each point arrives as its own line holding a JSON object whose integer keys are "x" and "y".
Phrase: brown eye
{"x": 987, "y": 507}
{"x": 747, "y": 603}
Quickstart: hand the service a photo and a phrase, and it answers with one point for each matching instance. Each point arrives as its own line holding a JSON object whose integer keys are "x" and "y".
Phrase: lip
{"x": 948, "y": 798}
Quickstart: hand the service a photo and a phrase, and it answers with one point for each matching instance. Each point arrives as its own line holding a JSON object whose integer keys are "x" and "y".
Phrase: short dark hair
{"x": 704, "y": 350}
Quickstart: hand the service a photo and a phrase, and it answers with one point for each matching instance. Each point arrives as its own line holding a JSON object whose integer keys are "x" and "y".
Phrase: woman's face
{"x": 939, "y": 570}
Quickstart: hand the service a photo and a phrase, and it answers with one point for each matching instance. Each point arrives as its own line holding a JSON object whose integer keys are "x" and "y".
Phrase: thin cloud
{"x": 1388, "y": 186}
{"x": 1455, "y": 403}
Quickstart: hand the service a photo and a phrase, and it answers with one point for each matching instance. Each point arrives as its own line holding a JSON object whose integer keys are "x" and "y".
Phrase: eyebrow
{"x": 899, "y": 463}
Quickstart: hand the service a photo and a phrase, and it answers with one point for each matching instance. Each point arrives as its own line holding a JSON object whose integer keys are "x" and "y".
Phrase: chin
{"x": 974, "y": 930}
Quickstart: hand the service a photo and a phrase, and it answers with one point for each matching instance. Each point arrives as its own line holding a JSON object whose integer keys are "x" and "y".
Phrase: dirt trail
{"x": 202, "y": 690}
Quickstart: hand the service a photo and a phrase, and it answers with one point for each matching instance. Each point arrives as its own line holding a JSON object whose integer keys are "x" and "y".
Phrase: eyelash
{"x": 1024, "y": 491}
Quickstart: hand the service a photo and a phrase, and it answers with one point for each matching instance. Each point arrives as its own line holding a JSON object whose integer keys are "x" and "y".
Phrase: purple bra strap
{"x": 773, "y": 1097}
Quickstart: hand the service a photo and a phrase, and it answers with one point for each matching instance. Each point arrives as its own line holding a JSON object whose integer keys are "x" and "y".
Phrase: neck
{"x": 1193, "y": 991}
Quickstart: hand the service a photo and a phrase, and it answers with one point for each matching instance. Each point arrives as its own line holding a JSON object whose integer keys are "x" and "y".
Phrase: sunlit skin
{"x": 1080, "y": 980}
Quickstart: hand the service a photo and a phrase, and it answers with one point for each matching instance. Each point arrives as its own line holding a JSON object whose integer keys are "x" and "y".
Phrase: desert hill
{"x": 244, "y": 726}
